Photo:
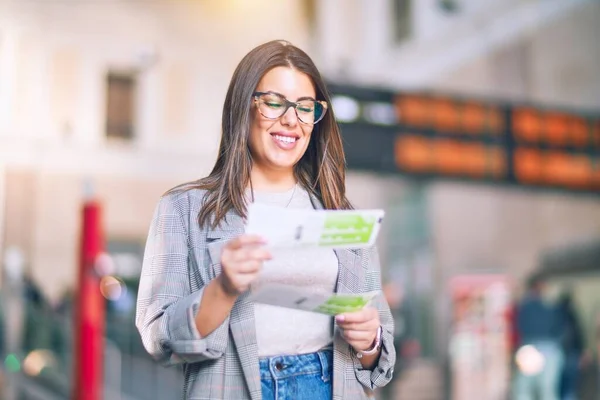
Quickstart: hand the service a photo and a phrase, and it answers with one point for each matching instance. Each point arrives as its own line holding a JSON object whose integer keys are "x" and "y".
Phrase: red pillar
{"x": 89, "y": 310}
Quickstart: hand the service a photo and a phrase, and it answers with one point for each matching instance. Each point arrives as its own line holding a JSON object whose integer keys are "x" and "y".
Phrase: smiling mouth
{"x": 286, "y": 139}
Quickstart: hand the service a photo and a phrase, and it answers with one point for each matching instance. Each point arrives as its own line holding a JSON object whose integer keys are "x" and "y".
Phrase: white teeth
{"x": 285, "y": 139}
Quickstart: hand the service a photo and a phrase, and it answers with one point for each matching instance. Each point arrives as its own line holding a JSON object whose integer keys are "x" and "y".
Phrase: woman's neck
{"x": 272, "y": 181}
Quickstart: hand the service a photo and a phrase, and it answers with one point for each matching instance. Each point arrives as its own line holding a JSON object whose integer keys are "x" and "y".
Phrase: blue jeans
{"x": 546, "y": 382}
{"x": 297, "y": 377}
{"x": 569, "y": 378}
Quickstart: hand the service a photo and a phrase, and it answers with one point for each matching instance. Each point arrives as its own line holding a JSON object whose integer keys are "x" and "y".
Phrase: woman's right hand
{"x": 241, "y": 262}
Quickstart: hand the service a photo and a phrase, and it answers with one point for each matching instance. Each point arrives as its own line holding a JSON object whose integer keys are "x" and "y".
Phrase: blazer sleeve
{"x": 166, "y": 306}
{"x": 382, "y": 373}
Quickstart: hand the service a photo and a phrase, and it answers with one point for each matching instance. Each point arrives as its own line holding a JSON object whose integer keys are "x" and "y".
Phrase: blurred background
{"x": 474, "y": 123}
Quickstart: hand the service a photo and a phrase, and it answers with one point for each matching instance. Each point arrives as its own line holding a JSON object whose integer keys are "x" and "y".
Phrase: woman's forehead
{"x": 289, "y": 82}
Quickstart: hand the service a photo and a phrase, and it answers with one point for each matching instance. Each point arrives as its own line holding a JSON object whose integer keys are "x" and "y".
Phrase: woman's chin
{"x": 277, "y": 163}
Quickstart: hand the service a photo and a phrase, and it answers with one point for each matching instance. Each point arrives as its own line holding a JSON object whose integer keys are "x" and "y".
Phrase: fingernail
{"x": 339, "y": 318}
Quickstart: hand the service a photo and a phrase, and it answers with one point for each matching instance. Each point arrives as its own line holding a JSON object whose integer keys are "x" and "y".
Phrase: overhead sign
{"x": 434, "y": 135}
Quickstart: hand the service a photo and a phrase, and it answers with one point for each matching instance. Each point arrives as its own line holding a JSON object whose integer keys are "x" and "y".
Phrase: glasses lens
{"x": 271, "y": 105}
{"x": 310, "y": 111}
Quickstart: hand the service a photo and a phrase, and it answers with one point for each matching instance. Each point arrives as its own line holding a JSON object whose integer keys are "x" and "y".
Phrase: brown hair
{"x": 321, "y": 170}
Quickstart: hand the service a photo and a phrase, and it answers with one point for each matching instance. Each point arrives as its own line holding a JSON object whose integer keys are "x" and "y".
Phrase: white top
{"x": 283, "y": 331}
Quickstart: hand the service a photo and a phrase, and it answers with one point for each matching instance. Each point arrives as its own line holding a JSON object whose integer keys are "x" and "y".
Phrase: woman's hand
{"x": 359, "y": 328}
{"x": 241, "y": 262}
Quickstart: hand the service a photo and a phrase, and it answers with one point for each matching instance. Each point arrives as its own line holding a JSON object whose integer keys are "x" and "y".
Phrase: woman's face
{"x": 278, "y": 144}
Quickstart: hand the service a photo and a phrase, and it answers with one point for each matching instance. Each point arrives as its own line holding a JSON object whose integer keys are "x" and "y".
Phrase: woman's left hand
{"x": 359, "y": 328}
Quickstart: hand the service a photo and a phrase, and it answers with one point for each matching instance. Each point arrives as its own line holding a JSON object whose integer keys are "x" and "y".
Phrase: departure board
{"x": 433, "y": 135}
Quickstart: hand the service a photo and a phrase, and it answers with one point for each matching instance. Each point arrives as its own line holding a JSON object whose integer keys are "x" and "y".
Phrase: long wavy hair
{"x": 321, "y": 170}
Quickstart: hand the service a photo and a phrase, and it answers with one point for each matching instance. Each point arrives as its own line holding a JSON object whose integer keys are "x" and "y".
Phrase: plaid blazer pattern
{"x": 181, "y": 258}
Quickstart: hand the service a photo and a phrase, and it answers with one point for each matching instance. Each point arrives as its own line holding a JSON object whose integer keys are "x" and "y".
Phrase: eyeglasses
{"x": 273, "y": 105}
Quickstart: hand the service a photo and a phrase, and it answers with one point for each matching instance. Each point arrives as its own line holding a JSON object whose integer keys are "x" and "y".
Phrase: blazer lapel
{"x": 241, "y": 318}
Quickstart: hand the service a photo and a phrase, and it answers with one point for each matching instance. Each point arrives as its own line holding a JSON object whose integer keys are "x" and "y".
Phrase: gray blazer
{"x": 181, "y": 259}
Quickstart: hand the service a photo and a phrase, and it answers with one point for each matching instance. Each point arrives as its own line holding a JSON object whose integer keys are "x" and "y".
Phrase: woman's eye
{"x": 305, "y": 109}
{"x": 273, "y": 104}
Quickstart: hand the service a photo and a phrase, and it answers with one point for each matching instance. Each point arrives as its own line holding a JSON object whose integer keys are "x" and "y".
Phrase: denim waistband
{"x": 285, "y": 366}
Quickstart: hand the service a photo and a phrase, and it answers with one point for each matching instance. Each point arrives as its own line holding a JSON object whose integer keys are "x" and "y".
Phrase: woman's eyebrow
{"x": 306, "y": 98}
{"x": 299, "y": 99}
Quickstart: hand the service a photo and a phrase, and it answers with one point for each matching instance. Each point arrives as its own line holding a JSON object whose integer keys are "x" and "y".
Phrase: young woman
{"x": 280, "y": 145}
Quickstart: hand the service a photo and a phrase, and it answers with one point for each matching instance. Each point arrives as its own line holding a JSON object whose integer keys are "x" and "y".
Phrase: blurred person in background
{"x": 591, "y": 361}
{"x": 280, "y": 146}
{"x": 37, "y": 331}
{"x": 573, "y": 347}
{"x": 540, "y": 357}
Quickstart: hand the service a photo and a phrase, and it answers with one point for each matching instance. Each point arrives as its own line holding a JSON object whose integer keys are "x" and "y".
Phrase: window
{"x": 402, "y": 20}
{"x": 120, "y": 105}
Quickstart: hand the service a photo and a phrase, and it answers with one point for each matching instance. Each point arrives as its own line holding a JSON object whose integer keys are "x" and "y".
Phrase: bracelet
{"x": 375, "y": 348}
